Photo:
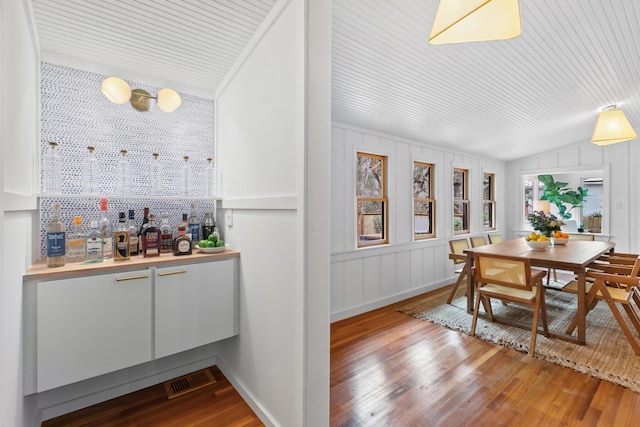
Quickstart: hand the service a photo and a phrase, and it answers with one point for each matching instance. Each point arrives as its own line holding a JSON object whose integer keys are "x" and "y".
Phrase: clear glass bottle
{"x": 211, "y": 176}
{"x": 105, "y": 231}
{"x": 52, "y": 176}
{"x": 166, "y": 235}
{"x": 194, "y": 224}
{"x": 155, "y": 176}
{"x": 76, "y": 242}
{"x": 185, "y": 178}
{"x": 182, "y": 244}
{"x": 123, "y": 174}
{"x": 151, "y": 238}
{"x": 94, "y": 245}
{"x": 121, "y": 239}
{"x": 91, "y": 173}
{"x": 208, "y": 225}
{"x": 133, "y": 234}
{"x": 56, "y": 239}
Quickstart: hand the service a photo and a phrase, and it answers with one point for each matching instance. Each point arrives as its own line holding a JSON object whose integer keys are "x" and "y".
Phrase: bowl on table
{"x": 538, "y": 245}
{"x": 560, "y": 240}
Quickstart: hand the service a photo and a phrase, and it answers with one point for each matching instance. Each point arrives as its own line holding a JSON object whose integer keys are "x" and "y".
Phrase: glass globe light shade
{"x": 116, "y": 90}
{"x": 168, "y": 100}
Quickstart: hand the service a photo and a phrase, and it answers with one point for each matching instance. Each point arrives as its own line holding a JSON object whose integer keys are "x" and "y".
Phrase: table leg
{"x": 582, "y": 306}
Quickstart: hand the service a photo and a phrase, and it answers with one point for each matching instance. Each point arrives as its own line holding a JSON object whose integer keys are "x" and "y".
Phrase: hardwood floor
{"x": 390, "y": 369}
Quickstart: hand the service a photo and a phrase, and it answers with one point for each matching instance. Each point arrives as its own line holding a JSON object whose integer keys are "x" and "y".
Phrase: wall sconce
{"x": 118, "y": 91}
{"x": 612, "y": 127}
{"x": 460, "y": 21}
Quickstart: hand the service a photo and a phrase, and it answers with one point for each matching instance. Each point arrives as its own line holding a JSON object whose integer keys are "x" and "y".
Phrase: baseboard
{"x": 263, "y": 414}
{"x": 63, "y": 400}
{"x": 373, "y": 305}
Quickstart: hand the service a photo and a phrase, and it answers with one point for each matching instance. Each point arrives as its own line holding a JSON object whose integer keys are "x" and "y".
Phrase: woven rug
{"x": 607, "y": 355}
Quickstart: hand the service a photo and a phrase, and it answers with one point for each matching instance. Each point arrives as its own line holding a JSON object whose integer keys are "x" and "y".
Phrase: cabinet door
{"x": 194, "y": 305}
{"x": 92, "y": 325}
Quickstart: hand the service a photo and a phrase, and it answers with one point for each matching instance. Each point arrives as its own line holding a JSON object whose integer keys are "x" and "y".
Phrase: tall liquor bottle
{"x": 121, "y": 239}
{"x": 145, "y": 223}
{"x": 208, "y": 224}
{"x": 155, "y": 176}
{"x": 185, "y": 178}
{"x": 91, "y": 173}
{"x": 94, "y": 245}
{"x": 211, "y": 176}
{"x": 165, "y": 234}
{"x": 52, "y": 170}
{"x": 182, "y": 244}
{"x": 56, "y": 239}
{"x": 133, "y": 234}
{"x": 194, "y": 224}
{"x": 76, "y": 242}
{"x": 105, "y": 230}
{"x": 151, "y": 238}
{"x": 123, "y": 174}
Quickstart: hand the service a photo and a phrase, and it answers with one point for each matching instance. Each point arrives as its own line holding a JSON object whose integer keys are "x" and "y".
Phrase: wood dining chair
{"x": 495, "y": 238}
{"x": 478, "y": 241}
{"x": 459, "y": 259}
{"x": 510, "y": 279}
{"x": 615, "y": 285}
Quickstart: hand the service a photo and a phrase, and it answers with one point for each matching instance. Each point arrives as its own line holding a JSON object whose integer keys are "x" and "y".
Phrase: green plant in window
{"x": 557, "y": 193}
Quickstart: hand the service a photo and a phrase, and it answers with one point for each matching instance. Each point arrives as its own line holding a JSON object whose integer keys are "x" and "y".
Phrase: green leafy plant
{"x": 556, "y": 192}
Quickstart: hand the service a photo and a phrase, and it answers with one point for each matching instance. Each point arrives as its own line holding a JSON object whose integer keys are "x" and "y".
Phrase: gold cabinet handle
{"x": 169, "y": 273}
{"x": 122, "y": 279}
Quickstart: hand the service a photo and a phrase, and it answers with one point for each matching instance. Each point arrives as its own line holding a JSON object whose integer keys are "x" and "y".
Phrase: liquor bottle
{"x": 52, "y": 170}
{"x": 211, "y": 175}
{"x": 182, "y": 245}
{"x": 94, "y": 246}
{"x": 151, "y": 238}
{"x": 76, "y": 242}
{"x": 121, "y": 240}
{"x": 123, "y": 174}
{"x": 185, "y": 222}
{"x": 185, "y": 177}
{"x": 166, "y": 235}
{"x": 105, "y": 231}
{"x": 155, "y": 176}
{"x": 145, "y": 223}
{"x": 194, "y": 224}
{"x": 56, "y": 239}
{"x": 91, "y": 173}
{"x": 133, "y": 234}
{"x": 208, "y": 224}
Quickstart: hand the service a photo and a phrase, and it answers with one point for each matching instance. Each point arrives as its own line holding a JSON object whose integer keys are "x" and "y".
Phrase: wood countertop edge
{"x": 40, "y": 271}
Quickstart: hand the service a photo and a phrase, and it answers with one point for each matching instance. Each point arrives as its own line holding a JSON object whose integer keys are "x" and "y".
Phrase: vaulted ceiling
{"x": 499, "y": 99}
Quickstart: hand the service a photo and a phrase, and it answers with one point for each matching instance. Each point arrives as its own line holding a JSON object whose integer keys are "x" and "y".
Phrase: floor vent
{"x": 188, "y": 383}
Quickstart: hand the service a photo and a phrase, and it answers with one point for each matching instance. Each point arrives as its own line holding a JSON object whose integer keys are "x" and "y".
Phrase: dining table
{"x": 573, "y": 256}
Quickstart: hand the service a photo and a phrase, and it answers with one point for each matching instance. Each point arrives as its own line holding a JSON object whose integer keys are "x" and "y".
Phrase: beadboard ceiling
{"x": 500, "y": 99}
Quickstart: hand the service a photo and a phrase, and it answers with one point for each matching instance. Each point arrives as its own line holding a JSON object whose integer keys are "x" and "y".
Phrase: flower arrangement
{"x": 544, "y": 223}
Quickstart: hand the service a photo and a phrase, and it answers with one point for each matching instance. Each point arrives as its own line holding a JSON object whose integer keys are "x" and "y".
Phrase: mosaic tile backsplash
{"x": 75, "y": 114}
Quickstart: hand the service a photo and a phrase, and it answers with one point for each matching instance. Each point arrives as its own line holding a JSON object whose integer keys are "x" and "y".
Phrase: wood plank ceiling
{"x": 501, "y": 99}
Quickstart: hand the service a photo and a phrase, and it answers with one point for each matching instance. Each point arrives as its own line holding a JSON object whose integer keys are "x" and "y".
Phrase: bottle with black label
{"x": 121, "y": 240}
{"x": 165, "y": 234}
{"x": 151, "y": 238}
{"x": 56, "y": 239}
{"x": 133, "y": 234}
{"x": 182, "y": 244}
{"x": 194, "y": 224}
{"x": 145, "y": 222}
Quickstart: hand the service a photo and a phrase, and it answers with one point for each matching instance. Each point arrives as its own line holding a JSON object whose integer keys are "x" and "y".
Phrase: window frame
{"x": 462, "y": 200}
{"x": 430, "y": 200}
{"x": 384, "y": 199}
{"x": 491, "y": 202}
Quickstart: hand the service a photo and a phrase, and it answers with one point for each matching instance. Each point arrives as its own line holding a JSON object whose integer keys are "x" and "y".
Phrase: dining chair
{"x": 459, "y": 259}
{"x": 478, "y": 241}
{"x": 510, "y": 279}
{"x": 495, "y": 238}
{"x": 615, "y": 285}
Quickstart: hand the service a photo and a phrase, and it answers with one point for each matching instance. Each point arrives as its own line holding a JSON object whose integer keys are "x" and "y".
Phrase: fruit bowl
{"x": 538, "y": 245}
{"x": 210, "y": 250}
{"x": 560, "y": 240}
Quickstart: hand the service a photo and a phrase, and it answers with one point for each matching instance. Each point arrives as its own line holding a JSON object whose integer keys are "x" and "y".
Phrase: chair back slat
{"x": 478, "y": 241}
{"x": 457, "y": 247}
{"x": 495, "y": 238}
{"x": 504, "y": 271}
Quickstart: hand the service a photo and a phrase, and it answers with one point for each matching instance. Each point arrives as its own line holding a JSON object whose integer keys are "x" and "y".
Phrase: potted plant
{"x": 557, "y": 193}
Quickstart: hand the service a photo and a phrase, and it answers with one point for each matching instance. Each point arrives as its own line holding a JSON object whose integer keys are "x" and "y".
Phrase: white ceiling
{"x": 500, "y": 99}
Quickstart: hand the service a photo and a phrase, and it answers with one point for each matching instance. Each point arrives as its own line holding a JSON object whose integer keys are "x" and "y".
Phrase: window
{"x": 424, "y": 205}
{"x": 371, "y": 200}
{"x": 488, "y": 202}
{"x": 460, "y": 201}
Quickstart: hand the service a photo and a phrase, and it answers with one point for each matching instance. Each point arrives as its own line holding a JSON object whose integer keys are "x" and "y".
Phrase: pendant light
{"x": 460, "y": 21}
{"x": 612, "y": 127}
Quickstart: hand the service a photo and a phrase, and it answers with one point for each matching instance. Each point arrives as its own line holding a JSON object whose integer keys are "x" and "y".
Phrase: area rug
{"x": 607, "y": 354}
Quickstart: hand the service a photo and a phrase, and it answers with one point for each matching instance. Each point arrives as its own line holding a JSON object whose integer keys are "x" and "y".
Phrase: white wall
{"x": 273, "y": 118}
{"x": 367, "y": 278}
{"x": 621, "y": 200}
{"x": 19, "y": 139}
